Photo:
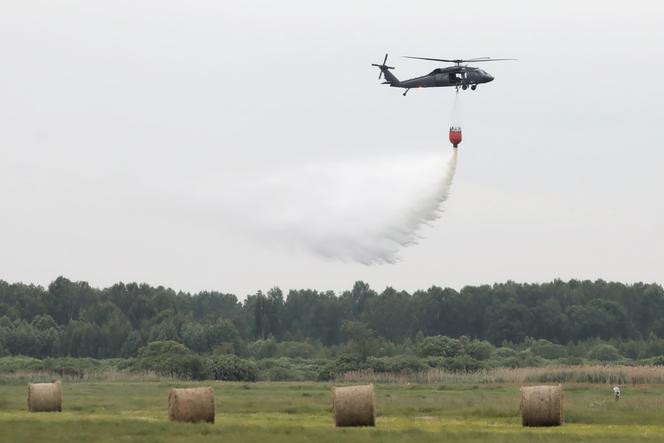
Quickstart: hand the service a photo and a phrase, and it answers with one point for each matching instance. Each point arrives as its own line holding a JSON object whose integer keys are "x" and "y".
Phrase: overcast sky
{"x": 121, "y": 123}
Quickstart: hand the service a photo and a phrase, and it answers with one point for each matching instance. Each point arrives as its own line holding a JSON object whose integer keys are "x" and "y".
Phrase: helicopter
{"x": 459, "y": 76}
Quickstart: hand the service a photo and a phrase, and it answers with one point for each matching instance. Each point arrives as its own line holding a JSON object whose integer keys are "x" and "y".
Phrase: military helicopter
{"x": 458, "y": 76}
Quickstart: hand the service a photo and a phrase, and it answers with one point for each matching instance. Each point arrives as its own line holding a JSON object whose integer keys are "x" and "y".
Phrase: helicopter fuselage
{"x": 451, "y": 76}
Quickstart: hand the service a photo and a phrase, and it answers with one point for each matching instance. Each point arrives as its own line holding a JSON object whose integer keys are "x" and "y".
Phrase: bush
{"x": 231, "y": 368}
{"x": 463, "y": 363}
{"x": 296, "y": 349}
{"x": 325, "y": 374}
{"x": 349, "y": 362}
{"x": 171, "y": 359}
{"x": 73, "y": 367}
{"x": 604, "y": 352}
{"x": 435, "y": 362}
{"x": 631, "y": 349}
{"x": 479, "y": 350}
{"x": 571, "y": 361}
{"x": 285, "y": 369}
{"x": 505, "y": 353}
{"x": 262, "y": 348}
{"x": 279, "y": 373}
{"x": 523, "y": 359}
{"x": 548, "y": 350}
{"x": 439, "y": 346}
{"x": 653, "y": 361}
{"x": 396, "y": 364}
{"x": 654, "y": 347}
{"x": 20, "y": 363}
{"x": 345, "y": 363}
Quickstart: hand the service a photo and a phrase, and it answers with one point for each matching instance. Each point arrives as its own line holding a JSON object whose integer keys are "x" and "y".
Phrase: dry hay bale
{"x": 45, "y": 397}
{"x": 354, "y": 405}
{"x": 191, "y": 405}
{"x": 542, "y": 406}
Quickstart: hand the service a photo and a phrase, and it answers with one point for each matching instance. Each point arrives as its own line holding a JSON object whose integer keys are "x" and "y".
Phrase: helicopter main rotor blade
{"x": 490, "y": 60}
{"x": 458, "y": 61}
{"x": 432, "y": 59}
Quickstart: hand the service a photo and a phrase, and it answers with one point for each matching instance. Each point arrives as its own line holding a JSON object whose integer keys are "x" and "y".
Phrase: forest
{"x": 72, "y": 318}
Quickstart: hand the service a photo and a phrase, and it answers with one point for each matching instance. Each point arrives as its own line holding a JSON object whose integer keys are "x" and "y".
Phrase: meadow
{"x": 134, "y": 411}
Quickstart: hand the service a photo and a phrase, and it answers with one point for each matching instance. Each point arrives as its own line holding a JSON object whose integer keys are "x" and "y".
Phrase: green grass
{"x": 297, "y": 412}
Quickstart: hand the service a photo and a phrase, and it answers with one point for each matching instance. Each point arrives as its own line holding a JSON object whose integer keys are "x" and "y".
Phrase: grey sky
{"x": 114, "y": 115}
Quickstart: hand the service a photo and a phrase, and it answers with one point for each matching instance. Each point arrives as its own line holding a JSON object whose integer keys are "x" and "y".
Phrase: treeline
{"x": 74, "y": 319}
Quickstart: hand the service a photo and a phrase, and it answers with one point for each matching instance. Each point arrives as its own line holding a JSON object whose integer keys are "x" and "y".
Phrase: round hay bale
{"x": 354, "y": 405}
{"x": 542, "y": 406}
{"x": 45, "y": 397}
{"x": 191, "y": 405}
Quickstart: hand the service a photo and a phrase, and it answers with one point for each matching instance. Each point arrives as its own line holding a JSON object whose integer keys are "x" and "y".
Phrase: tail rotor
{"x": 382, "y": 67}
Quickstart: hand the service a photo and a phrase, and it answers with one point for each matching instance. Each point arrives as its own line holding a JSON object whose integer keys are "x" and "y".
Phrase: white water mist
{"x": 362, "y": 211}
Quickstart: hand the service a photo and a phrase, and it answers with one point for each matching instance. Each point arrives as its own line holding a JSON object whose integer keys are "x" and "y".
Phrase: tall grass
{"x": 106, "y": 375}
{"x": 615, "y": 374}
{"x": 611, "y": 374}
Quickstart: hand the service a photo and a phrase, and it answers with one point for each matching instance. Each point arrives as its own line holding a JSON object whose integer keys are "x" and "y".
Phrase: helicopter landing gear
{"x": 406, "y": 91}
{"x": 464, "y": 87}
{"x": 473, "y": 87}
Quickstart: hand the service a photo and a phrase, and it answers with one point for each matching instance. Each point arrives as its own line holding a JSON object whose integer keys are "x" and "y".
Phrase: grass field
{"x": 299, "y": 412}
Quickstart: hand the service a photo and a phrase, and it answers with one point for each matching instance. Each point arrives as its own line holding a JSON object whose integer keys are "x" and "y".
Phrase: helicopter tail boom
{"x": 390, "y": 78}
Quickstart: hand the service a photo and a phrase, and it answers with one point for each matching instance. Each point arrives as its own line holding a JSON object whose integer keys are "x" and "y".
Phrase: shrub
{"x": 631, "y": 349}
{"x": 439, "y": 346}
{"x": 279, "y": 373}
{"x": 653, "y": 361}
{"x": 13, "y": 364}
{"x": 463, "y": 363}
{"x": 72, "y": 367}
{"x": 171, "y": 359}
{"x": 479, "y": 350}
{"x": 396, "y": 364}
{"x": 435, "y": 362}
{"x": 263, "y": 348}
{"x": 505, "y": 353}
{"x": 523, "y": 359}
{"x": 325, "y": 374}
{"x": 548, "y": 350}
{"x": 295, "y": 349}
{"x": 604, "y": 352}
{"x": 654, "y": 347}
{"x": 231, "y": 368}
{"x": 345, "y": 363}
{"x": 571, "y": 361}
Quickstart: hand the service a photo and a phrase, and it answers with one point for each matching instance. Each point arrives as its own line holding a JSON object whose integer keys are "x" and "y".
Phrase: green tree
{"x": 362, "y": 339}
